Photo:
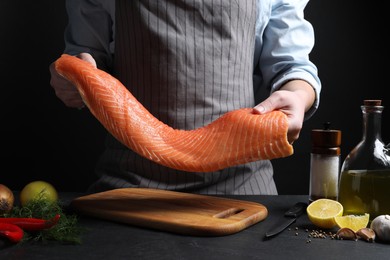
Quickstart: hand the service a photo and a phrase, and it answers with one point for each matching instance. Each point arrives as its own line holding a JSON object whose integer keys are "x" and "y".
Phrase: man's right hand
{"x": 65, "y": 90}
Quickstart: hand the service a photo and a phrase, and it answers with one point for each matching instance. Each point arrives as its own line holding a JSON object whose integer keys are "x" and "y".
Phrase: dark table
{"x": 108, "y": 240}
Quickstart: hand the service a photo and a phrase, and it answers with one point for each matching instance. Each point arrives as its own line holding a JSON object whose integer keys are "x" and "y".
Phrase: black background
{"x": 42, "y": 139}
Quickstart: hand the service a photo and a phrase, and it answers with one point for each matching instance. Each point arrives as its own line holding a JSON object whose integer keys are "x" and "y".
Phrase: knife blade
{"x": 290, "y": 217}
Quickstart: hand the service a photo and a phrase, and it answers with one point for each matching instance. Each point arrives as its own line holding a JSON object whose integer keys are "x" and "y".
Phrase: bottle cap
{"x": 372, "y": 102}
{"x": 326, "y": 141}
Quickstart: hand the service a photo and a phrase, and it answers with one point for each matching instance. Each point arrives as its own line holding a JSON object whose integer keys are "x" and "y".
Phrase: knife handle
{"x": 297, "y": 210}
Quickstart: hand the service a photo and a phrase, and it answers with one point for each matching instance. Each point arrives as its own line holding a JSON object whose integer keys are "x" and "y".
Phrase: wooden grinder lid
{"x": 326, "y": 141}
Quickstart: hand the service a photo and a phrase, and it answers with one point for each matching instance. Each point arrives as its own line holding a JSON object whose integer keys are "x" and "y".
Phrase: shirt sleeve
{"x": 283, "y": 46}
{"x": 90, "y": 29}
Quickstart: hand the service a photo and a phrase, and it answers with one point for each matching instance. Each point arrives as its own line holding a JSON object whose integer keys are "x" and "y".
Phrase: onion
{"x": 6, "y": 199}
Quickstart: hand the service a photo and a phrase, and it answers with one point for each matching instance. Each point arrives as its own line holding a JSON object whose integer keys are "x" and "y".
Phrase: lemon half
{"x": 322, "y": 212}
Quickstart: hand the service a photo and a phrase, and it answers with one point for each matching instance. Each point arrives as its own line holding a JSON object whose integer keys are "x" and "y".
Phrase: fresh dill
{"x": 65, "y": 231}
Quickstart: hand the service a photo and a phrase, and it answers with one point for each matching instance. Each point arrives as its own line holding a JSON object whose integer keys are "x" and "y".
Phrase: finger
{"x": 66, "y": 92}
{"x": 64, "y": 89}
{"x": 87, "y": 57}
{"x": 265, "y": 106}
{"x": 70, "y": 97}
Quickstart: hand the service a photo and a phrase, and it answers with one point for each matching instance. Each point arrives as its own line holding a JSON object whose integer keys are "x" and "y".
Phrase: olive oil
{"x": 364, "y": 184}
{"x": 365, "y": 191}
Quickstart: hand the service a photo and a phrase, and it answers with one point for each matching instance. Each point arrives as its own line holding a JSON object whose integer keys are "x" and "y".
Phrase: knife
{"x": 289, "y": 217}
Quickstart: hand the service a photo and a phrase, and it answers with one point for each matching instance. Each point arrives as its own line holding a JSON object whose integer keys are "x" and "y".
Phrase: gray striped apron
{"x": 188, "y": 62}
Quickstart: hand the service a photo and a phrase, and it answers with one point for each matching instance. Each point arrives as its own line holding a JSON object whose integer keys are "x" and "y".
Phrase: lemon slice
{"x": 354, "y": 222}
{"x": 322, "y": 212}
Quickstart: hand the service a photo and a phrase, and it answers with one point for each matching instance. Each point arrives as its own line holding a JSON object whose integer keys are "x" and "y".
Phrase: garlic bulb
{"x": 381, "y": 226}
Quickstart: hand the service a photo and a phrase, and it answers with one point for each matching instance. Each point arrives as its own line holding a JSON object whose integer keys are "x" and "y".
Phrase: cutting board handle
{"x": 228, "y": 213}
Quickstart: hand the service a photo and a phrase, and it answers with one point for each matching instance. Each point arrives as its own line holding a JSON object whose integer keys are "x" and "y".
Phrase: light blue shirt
{"x": 284, "y": 40}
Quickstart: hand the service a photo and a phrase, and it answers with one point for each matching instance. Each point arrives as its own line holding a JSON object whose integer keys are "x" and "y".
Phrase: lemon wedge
{"x": 354, "y": 222}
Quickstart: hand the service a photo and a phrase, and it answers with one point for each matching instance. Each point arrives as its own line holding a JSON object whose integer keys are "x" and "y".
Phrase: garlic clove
{"x": 367, "y": 234}
{"x": 346, "y": 234}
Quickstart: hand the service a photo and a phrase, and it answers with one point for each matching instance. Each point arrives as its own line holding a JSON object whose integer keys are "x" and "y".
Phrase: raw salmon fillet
{"x": 237, "y": 137}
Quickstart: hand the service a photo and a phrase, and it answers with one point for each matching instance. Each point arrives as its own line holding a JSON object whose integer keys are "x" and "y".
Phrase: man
{"x": 189, "y": 62}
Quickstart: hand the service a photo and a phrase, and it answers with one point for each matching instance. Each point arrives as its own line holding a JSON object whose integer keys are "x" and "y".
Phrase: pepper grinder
{"x": 324, "y": 163}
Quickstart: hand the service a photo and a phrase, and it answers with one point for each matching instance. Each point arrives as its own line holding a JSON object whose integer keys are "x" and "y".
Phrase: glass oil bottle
{"x": 364, "y": 185}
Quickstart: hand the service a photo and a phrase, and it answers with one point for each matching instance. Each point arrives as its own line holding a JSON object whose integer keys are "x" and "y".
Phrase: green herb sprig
{"x": 65, "y": 231}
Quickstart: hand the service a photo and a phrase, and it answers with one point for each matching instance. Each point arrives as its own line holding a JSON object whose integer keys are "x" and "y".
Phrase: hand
{"x": 294, "y": 99}
{"x": 65, "y": 90}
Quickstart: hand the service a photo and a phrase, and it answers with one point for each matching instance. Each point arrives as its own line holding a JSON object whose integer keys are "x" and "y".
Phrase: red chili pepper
{"x": 11, "y": 231}
{"x": 31, "y": 224}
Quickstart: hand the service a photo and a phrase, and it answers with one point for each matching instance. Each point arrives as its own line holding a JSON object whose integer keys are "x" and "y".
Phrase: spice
{"x": 12, "y": 232}
{"x": 32, "y": 224}
{"x": 324, "y": 163}
{"x": 321, "y": 234}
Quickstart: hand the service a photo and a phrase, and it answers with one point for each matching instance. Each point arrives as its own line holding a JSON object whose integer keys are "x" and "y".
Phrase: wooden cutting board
{"x": 177, "y": 212}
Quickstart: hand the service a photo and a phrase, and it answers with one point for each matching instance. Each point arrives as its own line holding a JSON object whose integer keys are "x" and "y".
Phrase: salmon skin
{"x": 237, "y": 137}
